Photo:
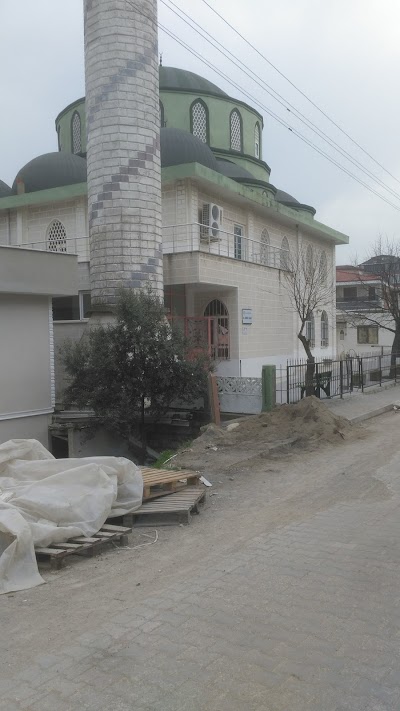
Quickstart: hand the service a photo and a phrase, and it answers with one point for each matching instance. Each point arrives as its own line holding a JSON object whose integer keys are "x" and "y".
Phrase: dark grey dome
{"x": 232, "y": 170}
{"x": 288, "y": 200}
{"x": 179, "y": 146}
{"x": 284, "y": 198}
{"x": 179, "y": 79}
{"x": 51, "y": 170}
{"x": 5, "y": 190}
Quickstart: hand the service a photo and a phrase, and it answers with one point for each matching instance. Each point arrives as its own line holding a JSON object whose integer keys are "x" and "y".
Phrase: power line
{"x": 300, "y": 91}
{"x": 281, "y": 100}
{"x": 268, "y": 111}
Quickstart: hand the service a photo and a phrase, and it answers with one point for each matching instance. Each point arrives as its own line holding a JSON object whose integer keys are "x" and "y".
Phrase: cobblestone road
{"x": 303, "y": 618}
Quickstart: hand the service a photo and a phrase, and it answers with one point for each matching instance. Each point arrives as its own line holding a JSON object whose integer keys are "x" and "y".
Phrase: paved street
{"x": 284, "y": 595}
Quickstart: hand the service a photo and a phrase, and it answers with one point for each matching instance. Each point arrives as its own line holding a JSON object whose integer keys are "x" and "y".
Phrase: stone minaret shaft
{"x": 123, "y": 146}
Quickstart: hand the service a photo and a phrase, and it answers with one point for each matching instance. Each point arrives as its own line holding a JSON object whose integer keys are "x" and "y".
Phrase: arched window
{"x": 257, "y": 136}
{"x": 56, "y": 237}
{"x": 162, "y": 121}
{"x": 218, "y": 314}
{"x": 236, "y": 130}
{"x": 76, "y": 136}
{"x": 199, "y": 120}
{"x": 324, "y": 330}
{"x": 265, "y": 248}
{"x": 323, "y": 268}
{"x": 284, "y": 255}
{"x": 310, "y": 330}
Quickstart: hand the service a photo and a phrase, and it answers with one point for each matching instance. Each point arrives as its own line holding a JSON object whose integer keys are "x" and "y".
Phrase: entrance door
{"x": 219, "y": 317}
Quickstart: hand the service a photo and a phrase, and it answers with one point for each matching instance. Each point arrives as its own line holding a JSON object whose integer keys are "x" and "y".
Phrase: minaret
{"x": 123, "y": 146}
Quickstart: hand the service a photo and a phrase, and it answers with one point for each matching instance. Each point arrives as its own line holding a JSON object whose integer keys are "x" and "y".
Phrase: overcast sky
{"x": 344, "y": 54}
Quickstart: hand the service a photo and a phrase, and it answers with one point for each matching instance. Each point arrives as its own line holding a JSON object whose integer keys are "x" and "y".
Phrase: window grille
{"x": 162, "y": 118}
{"x": 324, "y": 330}
{"x": 219, "y": 317}
{"x": 236, "y": 131}
{"x": 199, "y": 121}
{"x": 264, "y": 248}
{"x": 76, "y": 133}
{"x": 257, "y": 140}
{"x": 284, "y": 257}
{"x": 310, "y": 330}
{"x": 57, "y": 237}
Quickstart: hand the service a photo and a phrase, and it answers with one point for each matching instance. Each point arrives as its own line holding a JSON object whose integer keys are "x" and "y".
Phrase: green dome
{"x": 179, "y": 147}
{"x": 51, "y": 170}
{"x": 5, "y": 190}
{"x": 174, "y": 79}
{"x": 289, "y": 201}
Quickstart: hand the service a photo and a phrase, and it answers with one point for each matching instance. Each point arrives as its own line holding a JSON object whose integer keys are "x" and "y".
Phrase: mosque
{"x": 217, "y": 245}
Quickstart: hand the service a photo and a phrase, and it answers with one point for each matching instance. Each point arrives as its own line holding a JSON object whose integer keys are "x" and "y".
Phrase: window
{"x": 56, "y": 237}
{"x": 199, "y": 120}
{"x": 236, "y": 130}
{"x": 257, "y": 136}
{"x": 309, "y": 262}
{"x": 218, "y": 314}
{"x": 324, "y": 330}
{"x": 162, "y": 121}
{"x": 341, "y": 334}
{"x": 72, "y": 308}
{"x": 371, "y": 293}
{"x": 323, "y": 268}
{"x": 349, "y": 293}
{"x": 310, "y": 330}
{"x": 76, "y": 138}
{"x": 238, "y": 242}
{"x": 284, "y": 256}
{"x": 367, "y": 334}
{"x": 265, "y": 248}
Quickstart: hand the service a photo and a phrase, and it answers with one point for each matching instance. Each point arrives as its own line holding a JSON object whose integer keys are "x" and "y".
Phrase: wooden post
{"x": 214, "y": 399}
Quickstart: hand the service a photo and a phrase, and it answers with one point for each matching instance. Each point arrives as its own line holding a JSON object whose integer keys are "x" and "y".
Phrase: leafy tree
{"x": 131, "y": 370}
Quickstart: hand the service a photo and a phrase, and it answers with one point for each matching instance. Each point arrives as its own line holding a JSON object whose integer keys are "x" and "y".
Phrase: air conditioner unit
{"x": 211, "y": 221}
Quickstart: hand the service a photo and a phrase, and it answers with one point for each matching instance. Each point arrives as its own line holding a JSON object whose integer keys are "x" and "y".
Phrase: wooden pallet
{"x": 167, "y": 510}
{"x": 84, "y": 545}
{"x": 160, "y": 482}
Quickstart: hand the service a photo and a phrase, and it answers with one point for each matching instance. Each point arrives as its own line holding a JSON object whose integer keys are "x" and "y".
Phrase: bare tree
{"x": 382, "y": 269}
{"x": 309, "y": 285}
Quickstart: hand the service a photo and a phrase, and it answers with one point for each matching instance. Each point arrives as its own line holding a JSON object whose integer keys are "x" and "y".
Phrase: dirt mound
{"x": 306, "y": 424}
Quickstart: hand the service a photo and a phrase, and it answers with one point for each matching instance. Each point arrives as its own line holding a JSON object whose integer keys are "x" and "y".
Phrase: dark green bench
{"x": 321, "y": 381}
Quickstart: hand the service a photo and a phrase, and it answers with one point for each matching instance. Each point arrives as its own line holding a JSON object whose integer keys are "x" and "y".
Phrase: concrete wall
{"x": 25, "y": 367}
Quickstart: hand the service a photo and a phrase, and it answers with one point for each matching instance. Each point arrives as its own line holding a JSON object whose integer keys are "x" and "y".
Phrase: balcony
{"x": 195, "y": 237}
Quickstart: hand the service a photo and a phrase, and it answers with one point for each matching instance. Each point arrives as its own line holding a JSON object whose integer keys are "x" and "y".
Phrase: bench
{"x": 321, "y": 381}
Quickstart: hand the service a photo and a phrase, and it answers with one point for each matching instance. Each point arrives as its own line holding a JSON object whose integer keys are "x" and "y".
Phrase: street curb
{"x": 369, "y": 415}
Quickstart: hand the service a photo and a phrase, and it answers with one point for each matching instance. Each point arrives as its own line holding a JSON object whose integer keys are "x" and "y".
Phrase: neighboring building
{"x": 28, "y": 280}
{"x": 226, "y": 229}
{"x": 359, "y": 310}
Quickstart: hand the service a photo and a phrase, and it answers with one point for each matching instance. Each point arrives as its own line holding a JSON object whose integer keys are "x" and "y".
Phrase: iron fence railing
{"x": 336, "y": 378}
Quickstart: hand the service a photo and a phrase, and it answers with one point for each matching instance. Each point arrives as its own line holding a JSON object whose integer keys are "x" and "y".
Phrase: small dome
{"x": 288, "y": 200}
{"x": 180, "y": 80}
{"x": 5, "y": 190}
{"x": 285, "y": 198}
{"x": 232, "y": 170}
{"x": 179, "y": 146}
{"x": 51, "y": 170}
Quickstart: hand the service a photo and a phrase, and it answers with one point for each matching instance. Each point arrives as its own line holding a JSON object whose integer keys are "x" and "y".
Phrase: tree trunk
{"x": 395, "y": 351}
{"x": 310, "y": 369}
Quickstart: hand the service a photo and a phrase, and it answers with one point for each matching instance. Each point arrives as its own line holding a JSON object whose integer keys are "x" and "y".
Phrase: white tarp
{"x": 44, "y": 500}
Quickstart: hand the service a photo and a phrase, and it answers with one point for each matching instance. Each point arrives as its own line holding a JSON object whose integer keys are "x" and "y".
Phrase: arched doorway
{"x": 218, "y": 315}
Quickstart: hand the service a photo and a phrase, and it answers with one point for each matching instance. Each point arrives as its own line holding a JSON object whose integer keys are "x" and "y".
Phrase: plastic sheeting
{"x": 44, "y": 500}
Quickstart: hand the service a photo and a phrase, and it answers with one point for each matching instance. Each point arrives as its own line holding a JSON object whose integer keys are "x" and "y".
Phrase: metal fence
{"x": 336, "y": 378}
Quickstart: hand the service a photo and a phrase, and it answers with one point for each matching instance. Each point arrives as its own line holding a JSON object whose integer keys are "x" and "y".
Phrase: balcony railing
{"x": 196, "y": 237}
{"x": 191, "y": 237}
